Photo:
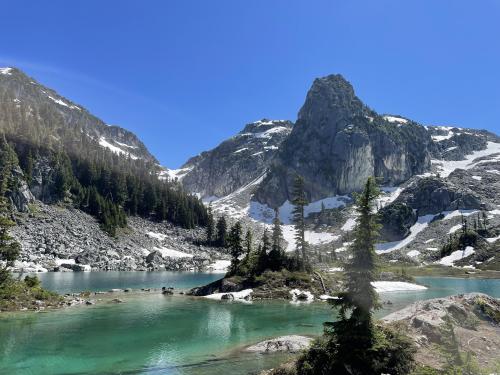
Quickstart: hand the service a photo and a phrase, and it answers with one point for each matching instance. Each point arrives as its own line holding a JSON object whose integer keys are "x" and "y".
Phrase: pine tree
{"x": 299, "y": 201}
{"x": 221, "y": 232}
{"x": 248, "y": 242}
{"x": 354, "y": 331}
{"x": 234, "y": 243}
{"x": 210, "y": 230}
{"x": 276, "y": 255}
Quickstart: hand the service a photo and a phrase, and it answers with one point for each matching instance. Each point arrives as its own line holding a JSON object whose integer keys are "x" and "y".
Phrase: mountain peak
{"x": 329, "y": 100}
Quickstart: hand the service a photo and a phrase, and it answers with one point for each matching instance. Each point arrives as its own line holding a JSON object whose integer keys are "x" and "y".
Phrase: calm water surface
{"x": 153, "y": 334}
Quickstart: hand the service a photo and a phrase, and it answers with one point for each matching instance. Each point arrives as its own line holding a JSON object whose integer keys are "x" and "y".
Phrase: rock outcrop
{"x": 338, "y": 142}
{"x": 237, "y": 161}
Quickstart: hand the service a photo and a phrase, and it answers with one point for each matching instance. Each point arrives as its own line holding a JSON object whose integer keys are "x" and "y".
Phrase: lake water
{"x": 154, "y": 334}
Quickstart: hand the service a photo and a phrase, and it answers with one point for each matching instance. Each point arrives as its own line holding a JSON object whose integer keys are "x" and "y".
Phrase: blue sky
{"x": 184, "y": 75}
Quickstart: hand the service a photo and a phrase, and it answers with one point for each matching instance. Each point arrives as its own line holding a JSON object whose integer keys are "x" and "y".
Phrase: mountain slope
{"x": 27, "y": 106}
{"x": 237, "y": 161}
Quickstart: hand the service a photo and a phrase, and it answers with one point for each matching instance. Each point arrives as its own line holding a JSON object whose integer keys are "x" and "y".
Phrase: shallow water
{"x": 154, "y": 334}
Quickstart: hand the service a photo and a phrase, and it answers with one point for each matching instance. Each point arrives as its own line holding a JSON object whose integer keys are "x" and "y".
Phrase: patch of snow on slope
{"x": 396, "y": 119}
{"x": 445, "y": 167}
{"x": 395, "y": 286}
{"x": 349, "y": 225}
{"x": 419, "y": 226}
{"x": 454, "y": 228}
{"x": 413, "y": 253}
{"x": 263, "y": 213}
{"x": 173, "y": 174}
{"x": 125, "y": 145}
{"x": 451, "y": 214}
{"x": 390, "y": 195}
{"x": 158, "y": 236}
{"x": 456, "y": 255}
{"x": 6, "y": 71}
{"x": 104, "y": 143}
{"x": 166, "y": 252}
{"x": 493, "y": 239}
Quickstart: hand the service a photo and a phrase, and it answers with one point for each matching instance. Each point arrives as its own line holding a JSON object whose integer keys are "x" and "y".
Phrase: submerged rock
{"x": 288, "y": 344}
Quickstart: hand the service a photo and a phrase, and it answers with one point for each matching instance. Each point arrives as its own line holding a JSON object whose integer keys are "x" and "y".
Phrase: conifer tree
{"x": 234, "y": 241}
{"x": 299, "y": 202}
{"x": 354, "y": 331}
{"x": 221, "y": 232}
{"x": 276, "y": 255}
{"x": 248, "y": 242}
{"x": 210, "y": 230}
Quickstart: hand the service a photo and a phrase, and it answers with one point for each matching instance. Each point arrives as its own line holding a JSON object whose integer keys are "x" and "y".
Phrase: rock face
{"x": 433, "y": 195}
{"x": 338, "y": 142}
{"x": 236, "y": 161}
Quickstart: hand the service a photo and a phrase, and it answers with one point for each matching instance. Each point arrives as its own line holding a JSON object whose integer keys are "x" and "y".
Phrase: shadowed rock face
{"x": 237, "y": 161}
{"x": 338, "y": 142}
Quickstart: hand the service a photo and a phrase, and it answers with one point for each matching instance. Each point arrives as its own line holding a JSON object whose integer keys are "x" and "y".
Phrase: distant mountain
{"x": 236, "y": 161}
{"x": 28, "y": 106}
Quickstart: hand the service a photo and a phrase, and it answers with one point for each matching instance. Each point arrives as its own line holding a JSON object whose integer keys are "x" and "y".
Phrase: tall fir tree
{"x": 354, "y": 331}
{"x": 221, "y": 228}
{"x": 276, "y": 254}
{"x": 235, "y": 243}
{"x": 210, "y": 229}
{"x": 248, "y": 242}
{"x": 300, "y": 201}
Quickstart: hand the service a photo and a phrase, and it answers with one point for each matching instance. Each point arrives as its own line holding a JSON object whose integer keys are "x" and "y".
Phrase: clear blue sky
{"x": 185, "y": 75}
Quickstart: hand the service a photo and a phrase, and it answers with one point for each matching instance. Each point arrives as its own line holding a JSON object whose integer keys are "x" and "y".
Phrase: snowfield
{"x": 445, "y": 167}
{"x": 419, "y": 226}
{"x": 104, "y": 143}
{"x": 395, "y": 286}
{"x": 456, "y": 255}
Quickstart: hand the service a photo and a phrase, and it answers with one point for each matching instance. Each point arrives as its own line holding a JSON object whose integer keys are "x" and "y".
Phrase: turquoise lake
{"x": 153, "y": 334}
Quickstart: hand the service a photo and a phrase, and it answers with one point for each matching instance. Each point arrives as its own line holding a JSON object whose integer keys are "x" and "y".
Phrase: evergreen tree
{"x": 354, "y": 331}
{"x": 248, "y": 242}
{"x": 299, "y": 201}
{"x": 234, "y": 243}
{"x": 221, "y": 228}
{"x": 276, "y": 255}
{"x": 210, "y": 230}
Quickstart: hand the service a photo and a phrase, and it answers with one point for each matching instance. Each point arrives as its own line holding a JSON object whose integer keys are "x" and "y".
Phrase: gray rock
{"x": 289, "y": 344}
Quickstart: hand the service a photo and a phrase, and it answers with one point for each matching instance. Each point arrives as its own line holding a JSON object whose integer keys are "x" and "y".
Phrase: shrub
{"x": 32, "y": 281}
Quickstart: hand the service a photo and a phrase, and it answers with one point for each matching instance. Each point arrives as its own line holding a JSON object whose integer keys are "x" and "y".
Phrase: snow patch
{"x": 395, "y": 119}
{"x": 413, "y": 253}
{"x": 445, "y": 167}
{"x": 158, "y": 236}
{"x": 349, "y": 225}
{"x": 419, "y": 226}
{"x": 456, "y": 255}
{"x": 395, "y": 286}
{"x": 171, "y": 253}
{"x": 454, "y": 228}
{"x": 242, "y": 295}
{"x": 219, "y": 266}
{"x": 104, "y": 143}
